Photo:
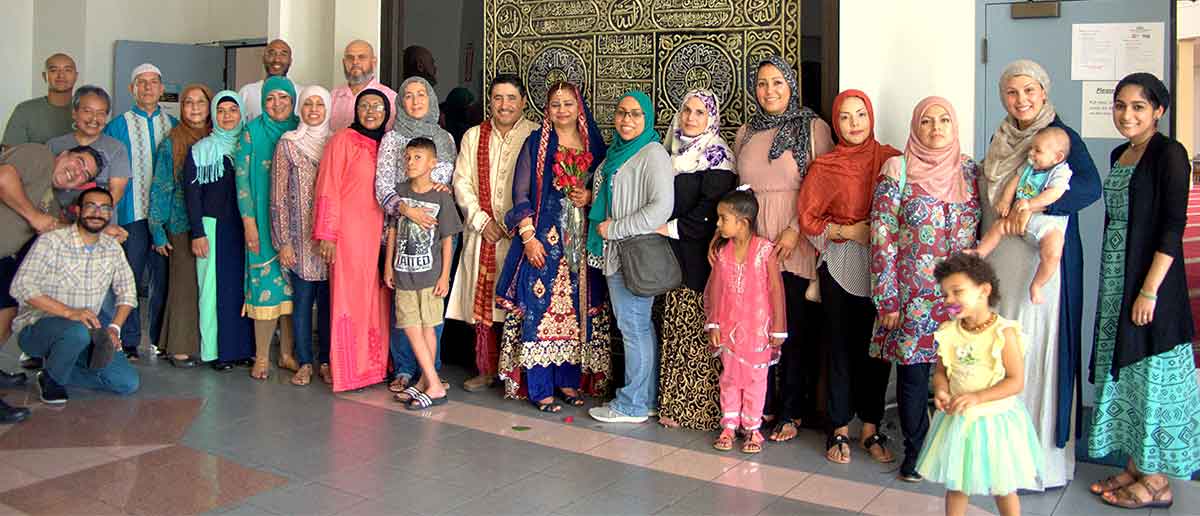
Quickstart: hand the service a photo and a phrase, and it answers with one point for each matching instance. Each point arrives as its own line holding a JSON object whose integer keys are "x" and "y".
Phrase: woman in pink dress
{"x": 349, "y": 225}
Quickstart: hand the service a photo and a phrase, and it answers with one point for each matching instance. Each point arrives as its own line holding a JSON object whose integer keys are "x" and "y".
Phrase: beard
{"x": 362, "y": 78}
{"x": 93, "y": 225}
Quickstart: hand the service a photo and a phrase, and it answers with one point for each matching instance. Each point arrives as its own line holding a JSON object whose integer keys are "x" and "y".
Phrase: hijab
{"x": 706, "y": 151}
{"x": 847, "y": 173}
{"x": 184, "y": 136}
{"x": 794, "y": 124}
{"x": 209, "y": 153}
{"x": 309, "y": 139}
{"x": 938, "y": 171}
{"x": 1009, "y": 149}
{"x": 378, "y": 132}
{"x": 618, "y": 153}
{"x": 427, "y": 125}
{"x": 264, "y": 132}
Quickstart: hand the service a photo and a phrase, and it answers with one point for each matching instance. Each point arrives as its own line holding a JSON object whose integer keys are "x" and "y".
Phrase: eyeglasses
{"x": 102, "y": 208}
{"x": 635, "y": 115}
{"x": 379, "y": 108}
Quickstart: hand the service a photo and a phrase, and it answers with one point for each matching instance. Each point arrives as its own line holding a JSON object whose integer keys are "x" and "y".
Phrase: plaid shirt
{"x": 61, "y": 267}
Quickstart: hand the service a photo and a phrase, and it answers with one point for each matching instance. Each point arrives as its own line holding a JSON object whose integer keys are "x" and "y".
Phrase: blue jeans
{"x": 304, "y": 295}
{"x": 403, "y": 359}
{"x": 640, "y": 393}
{"x": 63, "y": 344}
{"x": 148, "y": 266}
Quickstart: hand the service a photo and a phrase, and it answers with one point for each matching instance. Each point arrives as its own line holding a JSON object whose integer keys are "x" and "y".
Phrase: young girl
{"x": 746, "y": 321}
{"x": 981, "y": 441}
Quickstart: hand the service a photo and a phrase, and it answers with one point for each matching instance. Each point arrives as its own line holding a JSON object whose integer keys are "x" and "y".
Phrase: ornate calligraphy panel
{"x": 662, "y": 47}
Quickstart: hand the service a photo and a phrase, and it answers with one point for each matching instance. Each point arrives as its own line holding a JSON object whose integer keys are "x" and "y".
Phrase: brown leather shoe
{"x": 479, "y": 383}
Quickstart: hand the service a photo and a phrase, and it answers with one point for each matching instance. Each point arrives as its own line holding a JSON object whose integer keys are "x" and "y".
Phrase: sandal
{"x": 1114, "y": 482}
{"x": 289, "y": 362}
{"x": 667, "y": 422}
{"x": 326, "y": 374}
{"x": 724, "y": 441}
{"x": 303, "y": 375}
{"x": 549, "y": 407}
{"x": 260, "y": 369}
{"x": 407, "y": 395}
{"x": 786, "y": 431}
{"x": 398, "y": 385}
{"x": 421, "y": 401}
{"x": 836, "y": 442}
{"x": 1126, "y": 498}
{"x": 753, "y": 443}
{"x": 884, "y": 455}
{"x": 574, "y": 401}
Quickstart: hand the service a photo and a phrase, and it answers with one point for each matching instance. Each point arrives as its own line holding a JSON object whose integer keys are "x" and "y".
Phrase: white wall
{"x": 901, "y": 54}
{"x": 16, "y": 54}
{"x": 305, "y": 25}
{"x": 353, "y": 19}
{"x": 1187, "y": 19}
{"x": 58, "y": 26}
{"x": 437, "y": 25}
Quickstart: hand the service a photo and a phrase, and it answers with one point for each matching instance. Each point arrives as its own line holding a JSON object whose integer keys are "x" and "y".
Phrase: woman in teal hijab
{"x": 634, "y": 195}
{"x": 268, "y": 294}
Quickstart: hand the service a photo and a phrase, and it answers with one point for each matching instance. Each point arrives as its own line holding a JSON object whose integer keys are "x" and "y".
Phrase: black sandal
{"x": 574, "y": 401}
{"x": 881, "y": 440}
{"x": 551, "y": 407}
{"x": 836, "y": 441}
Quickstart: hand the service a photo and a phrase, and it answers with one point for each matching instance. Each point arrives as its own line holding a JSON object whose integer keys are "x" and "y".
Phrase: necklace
{"x": 979, "y": 327}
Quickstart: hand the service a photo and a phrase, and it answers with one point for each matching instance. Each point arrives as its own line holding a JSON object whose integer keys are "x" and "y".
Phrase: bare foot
{"x": 667, "y": 422}
{"x": 1035, "y": 294}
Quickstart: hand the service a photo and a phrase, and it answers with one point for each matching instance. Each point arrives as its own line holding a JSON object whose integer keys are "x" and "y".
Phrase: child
{"x": 981, "y": 441}
{"x": 746, "y": 321}
{"x": 419, "y": 269}
{"x": 1043, "y": 180}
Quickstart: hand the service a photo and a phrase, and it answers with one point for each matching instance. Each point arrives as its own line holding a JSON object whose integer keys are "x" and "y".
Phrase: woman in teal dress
{"x": 268, "y": 294}
{"x": 1142, "y": 360}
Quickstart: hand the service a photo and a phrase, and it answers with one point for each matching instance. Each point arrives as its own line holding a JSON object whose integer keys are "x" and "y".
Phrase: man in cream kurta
{"x": 507, "y": 130}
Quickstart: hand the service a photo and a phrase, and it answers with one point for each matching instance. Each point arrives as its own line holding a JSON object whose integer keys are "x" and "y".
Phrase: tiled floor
{"x": 196, "y": 441}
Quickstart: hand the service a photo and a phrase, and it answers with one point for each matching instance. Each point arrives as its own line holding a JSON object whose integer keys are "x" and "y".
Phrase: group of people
{"x": 796, "y": 254}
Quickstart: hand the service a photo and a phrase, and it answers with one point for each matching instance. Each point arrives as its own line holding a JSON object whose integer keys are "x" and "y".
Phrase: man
{"x": 39, "y": 119}
{"x": 140, "y": 130}
{"x": 358, "y": 64}
{"x": 89, "y": 110}
{"x": 418, "y": 62}
{"x": 483, "y": 190}
{"x": 60, "y": 286}
{"x": 28, "y": 175}
{"x": 277, "y": 61}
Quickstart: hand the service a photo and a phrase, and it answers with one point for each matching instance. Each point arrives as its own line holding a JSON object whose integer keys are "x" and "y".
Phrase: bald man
{"x": 39, "y": 119}
{"x": 358, "y": 64}
{"x": 277, "y": 61}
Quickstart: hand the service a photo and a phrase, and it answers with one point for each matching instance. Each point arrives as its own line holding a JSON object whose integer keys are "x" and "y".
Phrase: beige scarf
{"x": 1009, "y": 149}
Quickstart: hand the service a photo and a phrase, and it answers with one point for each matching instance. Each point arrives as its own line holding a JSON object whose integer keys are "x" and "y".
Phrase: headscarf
{"x": 706, "y": 151}
{"x": 210, "y": 152}
{"x": 794, "y": 124}
{"x": 938, "y": 171}
{"x": 264, "y": 131}
{"x": 1010, "y": 145}
{"x": 378, "y": 132}
{"x": 427, "y": 125}
{"x": 183, "y": 136}
{"x": 618, "y": 153}
{"x": 310, "y": 140}
{"x": 846, "y": 174}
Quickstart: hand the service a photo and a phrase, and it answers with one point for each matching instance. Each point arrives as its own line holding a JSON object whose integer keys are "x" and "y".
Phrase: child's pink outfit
{"x": 745, "y": 302}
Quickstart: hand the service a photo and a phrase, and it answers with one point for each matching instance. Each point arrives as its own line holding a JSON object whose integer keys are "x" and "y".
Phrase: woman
{"x": 1146, "y": 392}
{"x": 1052, "y": 328}
{"x": 634, "y": 193}
{"x": 555, "y": 340}
{"x": 924, "y": 210}
{"x": 217, "y": 238}
{"x": 349, "y": 225}
{"x": 773, "y": 152}
{"x": 268, "y": 294}
{"x": 835, "y": 208}
{"x": 416, "y": 116}
{"x": 293, "y": 179}
{"x": 703, "y": 166}
{"x": 169, "y": 227}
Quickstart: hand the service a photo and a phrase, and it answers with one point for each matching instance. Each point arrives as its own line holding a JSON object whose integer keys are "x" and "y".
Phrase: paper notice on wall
{"x": 1097, "y": 110}
{"x": 1110, "y": 51}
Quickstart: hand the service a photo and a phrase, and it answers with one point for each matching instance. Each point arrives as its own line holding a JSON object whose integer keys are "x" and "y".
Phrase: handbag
{"x": 648, "y": 264}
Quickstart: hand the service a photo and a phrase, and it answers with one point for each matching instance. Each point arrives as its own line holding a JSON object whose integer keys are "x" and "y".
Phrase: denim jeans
{"x": 304, "y": 295}
{"x": 63, "y": 344}
{"x": 640, "y": 393}
{"x": 912, "y": 394}
{"x": 148, "y": 266}
{"x": 403, "y": 359}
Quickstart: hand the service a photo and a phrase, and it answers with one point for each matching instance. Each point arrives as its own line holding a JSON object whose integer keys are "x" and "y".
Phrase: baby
{"x": 1043, "y": 180}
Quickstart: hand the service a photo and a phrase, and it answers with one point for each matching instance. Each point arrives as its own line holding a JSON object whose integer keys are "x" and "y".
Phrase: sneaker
{"x": 11, "y": 415}
{"x": 479, "y": 383}
{"x": 10, "y": 380}
{"x": 606, "y": 414}
{"x": 28, "y": 362}
{"x": 911, "y": 477}
{"x": 51, "y": 392}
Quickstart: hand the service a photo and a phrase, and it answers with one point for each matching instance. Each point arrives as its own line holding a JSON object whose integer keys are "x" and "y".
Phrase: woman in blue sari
{"x": 556, "y": 333}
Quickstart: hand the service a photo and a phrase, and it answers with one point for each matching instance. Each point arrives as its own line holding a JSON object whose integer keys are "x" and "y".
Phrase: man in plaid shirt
{"x": 60, "y": 286}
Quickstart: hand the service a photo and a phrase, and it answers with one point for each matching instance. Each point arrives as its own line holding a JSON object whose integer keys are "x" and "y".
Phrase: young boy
{"x": 1043, "y": 180}
{"x": 419, "y": 269}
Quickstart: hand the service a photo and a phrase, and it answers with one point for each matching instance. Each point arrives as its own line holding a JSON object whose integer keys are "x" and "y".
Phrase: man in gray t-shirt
{"x": 39, "y": 119}
{"x": 89, "y": 110}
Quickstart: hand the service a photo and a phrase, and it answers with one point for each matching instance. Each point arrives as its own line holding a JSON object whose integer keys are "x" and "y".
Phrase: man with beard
{"x": 39, "y": 119}
{"x": 483, "y": 190}
{"x": 277, "y": 60}
{"x": 29, "y": 173}
{"x": 60, "y": 287}
{"x": 418, "y": 62}
{"x": 358, "y": 63}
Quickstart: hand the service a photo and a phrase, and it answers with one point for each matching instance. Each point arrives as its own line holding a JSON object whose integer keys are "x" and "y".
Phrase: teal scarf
{"x": 620, "y": 152}
{"x": 264, "y": 132}
{"x": 209, "y": 153}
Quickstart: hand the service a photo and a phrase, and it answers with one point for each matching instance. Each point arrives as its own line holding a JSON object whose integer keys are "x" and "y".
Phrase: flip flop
{"x": 422, "y": 401}
{"x": 407, "y": 395}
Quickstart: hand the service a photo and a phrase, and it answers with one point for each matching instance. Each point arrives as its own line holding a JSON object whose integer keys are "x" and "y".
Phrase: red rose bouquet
{"x": 570, "y": 169}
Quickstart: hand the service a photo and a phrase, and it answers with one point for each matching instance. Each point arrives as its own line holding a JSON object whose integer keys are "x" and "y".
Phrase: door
{"x": 1048, "y": 41}
{"x": 181, "y": 64}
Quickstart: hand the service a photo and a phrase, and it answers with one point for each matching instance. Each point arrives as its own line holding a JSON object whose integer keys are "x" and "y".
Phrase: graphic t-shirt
{"x": 1033, "y": 181}
{"x": 418, "y": 260}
